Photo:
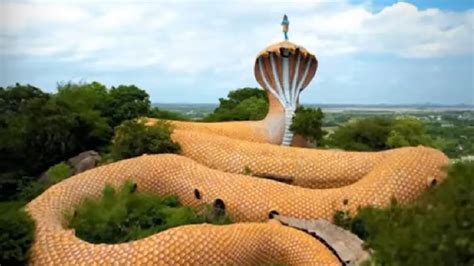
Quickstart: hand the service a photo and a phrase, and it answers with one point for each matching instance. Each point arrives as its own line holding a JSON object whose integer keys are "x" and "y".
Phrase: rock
{"x": 44, "y": 178}
{"x": 347, "y": 246}
{"x": 76, "y": 159}
{"x": 84, "y": 161}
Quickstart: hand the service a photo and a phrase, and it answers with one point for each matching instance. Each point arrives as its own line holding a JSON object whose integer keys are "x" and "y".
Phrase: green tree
{"x": 240, "y": 105}
{"x": 379, "y": 133}
{"x": 133, "y": 138}
{"x": 126, "y": 102}
{"x": 87, "y": 101}
{"x": 307, "y": 122}
{"x": 35, "y": 134}
{"x": 408, "y": 131}
{"x": 17, "y": 233}
{"x": 39, "y": 129}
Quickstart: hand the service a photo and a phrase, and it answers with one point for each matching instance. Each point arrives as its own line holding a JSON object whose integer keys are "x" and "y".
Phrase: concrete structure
{"x": 212, "y": 158}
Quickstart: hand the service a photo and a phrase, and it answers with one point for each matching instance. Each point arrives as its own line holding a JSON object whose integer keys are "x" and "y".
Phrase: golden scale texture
{"x": 213, "y": 158}
{"x": 403, "y": 174}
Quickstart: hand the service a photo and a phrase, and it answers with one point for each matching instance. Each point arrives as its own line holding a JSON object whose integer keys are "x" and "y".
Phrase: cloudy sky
{"x": 196, "y": 51}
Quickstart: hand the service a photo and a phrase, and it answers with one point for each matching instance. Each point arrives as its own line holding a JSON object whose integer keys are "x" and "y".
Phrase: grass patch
{"x": 126, "y": 215}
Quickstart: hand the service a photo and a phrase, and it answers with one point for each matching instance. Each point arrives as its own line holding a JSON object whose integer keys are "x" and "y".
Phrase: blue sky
{"x": 369, "y": 52}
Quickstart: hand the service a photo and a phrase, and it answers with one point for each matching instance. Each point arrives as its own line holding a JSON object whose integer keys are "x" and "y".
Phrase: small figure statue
{"x": 285, "y": 25}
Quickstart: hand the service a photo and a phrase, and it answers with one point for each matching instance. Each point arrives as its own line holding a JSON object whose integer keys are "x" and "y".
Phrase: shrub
{"x": 58, "y": 172}
{"x": 165, "y": 114}
{"x": 31, "y": 189}
{"x": 307, "y": 122}
{"x": 241, "y": 104}
{"x": 436, "y": 230}
{"x": 44, "y": 128}
{"x": 380, "y": 133}
{"x": 133, "y": 138}
{"x": 17, "y": 232}
{"x": 126, "y": 215}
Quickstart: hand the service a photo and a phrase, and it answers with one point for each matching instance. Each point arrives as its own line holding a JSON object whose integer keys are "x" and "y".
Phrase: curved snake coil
{"x": 403, "y": 175}
{"x": 212, "y": 159}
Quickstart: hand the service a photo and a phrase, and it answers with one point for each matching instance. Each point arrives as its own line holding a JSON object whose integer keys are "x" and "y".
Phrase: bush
{"x": 126, "y": 215}
{"x": 241, "y": 105}
{"x": 133, "y": 138}
{"x": 39, "y": 129}
{"x": 126, "y": 102}
{"x": 307, "y": 122}
{"x": 436, "y": 230}
{"x": 379, "y": 133}
{"x": 17, "y": 232}
{"x": 31, "y": 189}
{"x": 165, "y": 114}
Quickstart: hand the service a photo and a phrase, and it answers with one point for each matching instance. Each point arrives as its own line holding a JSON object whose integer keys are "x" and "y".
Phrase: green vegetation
{"x": 16, "y": 236}
{"x": 31, "y": 189}
{"x": 454, "y": 135}
{"x": 379, "y": 133}
{"x": 241, "y": 104}
{"x": 133, "y": 138}
{"x": 165, "y": 114}
{"x": 39, "y": 129}
{"x": 126, "y": 102}
{"x": 450, "y": 131}
{"x": 125, "y": 215}
{"x": 436, "y": 230}
{"x": 307, "y": 122}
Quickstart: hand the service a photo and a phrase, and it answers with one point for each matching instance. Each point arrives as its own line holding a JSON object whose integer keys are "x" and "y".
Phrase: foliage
{"x": 17, "y": 232}
{"x": 165, "y": 114}
{"x": 126, "y": 215}
{"x": 88, "y": 102}
{"x": 379, "y": 133}
{"x": 307, "y": 122}
{"x": 456, "y": 139}
{"x": 39, "y": 129}
{"x": 133, "y": 138}
{"x": 31, "y": 189}
{"x": 126, "y": 102}
{"x": 241, "y": 104}
{"x": 436, "y": 230}
{"x": 36, "y": 132}
{"x": 58, "y": 172}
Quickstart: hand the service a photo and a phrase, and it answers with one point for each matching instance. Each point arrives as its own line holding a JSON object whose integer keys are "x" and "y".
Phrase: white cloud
{"x": 193, "y": 37}
{"x": 399, "y": 29}
{"x": 18, "y": 17}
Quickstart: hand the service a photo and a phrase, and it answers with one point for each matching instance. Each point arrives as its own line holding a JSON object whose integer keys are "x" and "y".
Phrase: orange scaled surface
{"x": 402, "y": 174}
{"x": 213, "y": 158}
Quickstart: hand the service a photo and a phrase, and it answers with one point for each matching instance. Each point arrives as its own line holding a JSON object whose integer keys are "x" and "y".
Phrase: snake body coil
{"x": 213, "y": 158}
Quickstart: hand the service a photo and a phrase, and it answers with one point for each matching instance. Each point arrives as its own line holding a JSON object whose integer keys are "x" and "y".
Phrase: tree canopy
{"x": 379, "y": 133}
{"x": 436, "y": 230}
{"x": 133, "y": 138}
{"x": 240, "y": 105}
{"x": 307, "y": 122}
{"x": 39, "y": 129}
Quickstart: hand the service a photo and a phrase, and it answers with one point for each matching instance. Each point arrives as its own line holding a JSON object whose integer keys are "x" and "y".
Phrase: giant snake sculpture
{"x": 210, "y": 169}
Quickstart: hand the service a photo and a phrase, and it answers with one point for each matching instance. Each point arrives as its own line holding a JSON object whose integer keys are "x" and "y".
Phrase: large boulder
{"x": 84, "y": 161}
